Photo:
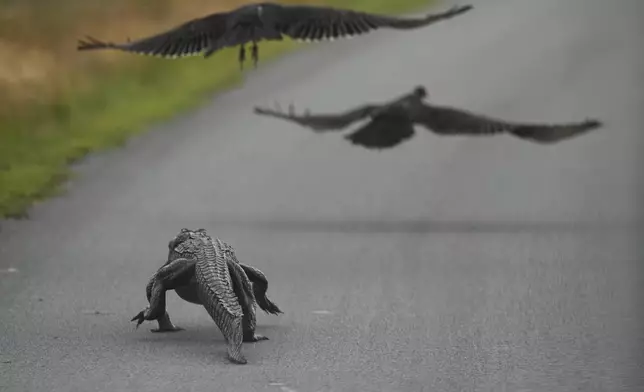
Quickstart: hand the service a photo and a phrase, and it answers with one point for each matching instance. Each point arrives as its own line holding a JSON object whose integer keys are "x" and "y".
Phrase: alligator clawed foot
{"x": 139, "y": 318}
{"x": 255, "y": 338}
{"x": 238, "y": 361}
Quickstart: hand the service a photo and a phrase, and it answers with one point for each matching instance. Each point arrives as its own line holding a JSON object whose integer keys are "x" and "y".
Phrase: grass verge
{"x": 38, "y": 144}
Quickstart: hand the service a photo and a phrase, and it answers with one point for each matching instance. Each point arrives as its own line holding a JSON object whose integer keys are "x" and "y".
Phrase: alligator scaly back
{"x": 218, "y": 297}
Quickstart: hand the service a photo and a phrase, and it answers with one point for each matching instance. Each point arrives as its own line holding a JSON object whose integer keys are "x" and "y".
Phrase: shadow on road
{"x": 205, "y": 331}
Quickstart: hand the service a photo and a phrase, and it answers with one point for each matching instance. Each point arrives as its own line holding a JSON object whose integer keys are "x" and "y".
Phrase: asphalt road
{"x": 446, "y": 264}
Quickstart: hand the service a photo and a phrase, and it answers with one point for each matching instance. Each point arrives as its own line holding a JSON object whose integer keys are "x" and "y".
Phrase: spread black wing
{"x": 316, "y": 23}
{"x": 189, "y": 39}
{"x": 384, "y": 131}
{"x": 321, "y": 122}
{"x": 450, "y": 121}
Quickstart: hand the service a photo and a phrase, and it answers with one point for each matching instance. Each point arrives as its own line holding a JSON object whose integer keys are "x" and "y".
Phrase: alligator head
{"x": 187, "y": 243}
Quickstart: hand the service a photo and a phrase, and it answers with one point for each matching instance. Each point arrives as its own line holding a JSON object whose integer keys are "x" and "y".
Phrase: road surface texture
{"x": 447, "y": 264}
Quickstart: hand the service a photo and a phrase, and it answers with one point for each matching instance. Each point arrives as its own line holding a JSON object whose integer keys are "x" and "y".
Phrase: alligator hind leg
{"x": 249, "y": 322}
{"x": 174, "y": 274}
{"x": 260, "y": 286}
{"x": 242, "y": 288}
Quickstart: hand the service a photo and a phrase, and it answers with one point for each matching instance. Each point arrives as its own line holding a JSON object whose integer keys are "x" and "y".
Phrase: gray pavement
{"x": 447, "y": 264}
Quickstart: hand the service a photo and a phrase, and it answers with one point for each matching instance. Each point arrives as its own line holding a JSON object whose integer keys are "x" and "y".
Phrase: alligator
{"x": 205, "y": 271}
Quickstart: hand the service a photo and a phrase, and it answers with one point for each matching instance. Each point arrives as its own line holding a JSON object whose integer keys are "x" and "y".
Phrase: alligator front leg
{"x": 165, "y": 324}
{"x": 172, "y": 275}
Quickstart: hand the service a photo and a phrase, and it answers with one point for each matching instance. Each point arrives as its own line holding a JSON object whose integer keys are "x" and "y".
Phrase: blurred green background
{"x": 57, "y": 104}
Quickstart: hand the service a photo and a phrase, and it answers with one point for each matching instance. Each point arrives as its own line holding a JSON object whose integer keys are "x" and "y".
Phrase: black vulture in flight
{"x": 393, "y": 122}
{"x": 264, "y": 21}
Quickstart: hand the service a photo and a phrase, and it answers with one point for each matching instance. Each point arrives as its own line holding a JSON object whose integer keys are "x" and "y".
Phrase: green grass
{"x": 36, "y": 150}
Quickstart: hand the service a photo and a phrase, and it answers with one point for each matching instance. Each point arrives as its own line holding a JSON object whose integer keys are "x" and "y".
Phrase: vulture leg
{"x": 242, "y": 56}
{"x": 255, "y": 54}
